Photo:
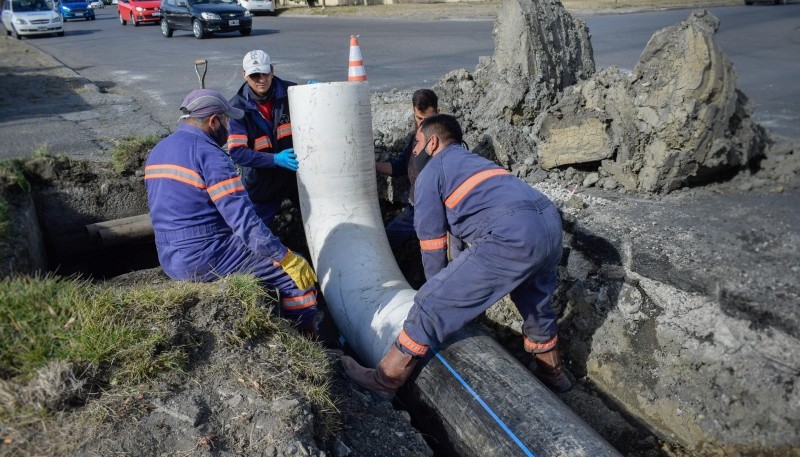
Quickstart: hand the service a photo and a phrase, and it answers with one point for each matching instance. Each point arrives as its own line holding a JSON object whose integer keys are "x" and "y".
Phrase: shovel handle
{"x": 201, "y": 79}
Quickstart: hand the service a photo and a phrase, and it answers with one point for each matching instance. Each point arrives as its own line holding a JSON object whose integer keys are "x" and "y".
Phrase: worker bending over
{"x": 512, "y": 244}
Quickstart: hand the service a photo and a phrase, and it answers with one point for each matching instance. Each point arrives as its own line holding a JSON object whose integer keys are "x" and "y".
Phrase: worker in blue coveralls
{"x": 512, "y": 236}
{"x": 424, "y": 104}
{"x": 260, "y": 143}
{"x": 204, "y": 222}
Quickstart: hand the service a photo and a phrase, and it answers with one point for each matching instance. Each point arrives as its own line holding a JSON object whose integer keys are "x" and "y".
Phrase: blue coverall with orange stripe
{"x": 513, "y": 237}
{"x": 204, "y": 221}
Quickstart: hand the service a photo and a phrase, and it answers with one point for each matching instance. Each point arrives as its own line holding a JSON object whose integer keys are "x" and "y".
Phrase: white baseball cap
{"x": 256, "y": 62}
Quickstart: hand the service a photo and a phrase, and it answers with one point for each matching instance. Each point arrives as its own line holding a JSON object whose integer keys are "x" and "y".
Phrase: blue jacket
{"x": 459, "y": 192}
{"x": 253, "y": 142}
{"x": 203, "y": 219}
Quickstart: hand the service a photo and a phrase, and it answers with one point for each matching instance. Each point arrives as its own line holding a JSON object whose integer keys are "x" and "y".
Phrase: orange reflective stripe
{"x": 284, "y": 130}
{"x": 237, "y": 139}
{"x": 262, "y": 143}
{"x": 411, "y": 345}
{"x": 182, "y": 174}
{"x": 434, "y": 244}
{"x": 304, "y": 301}
{"x": 533, "y": 346}
{"x": 462, "y": 190}
{"x": 224, "y": 188}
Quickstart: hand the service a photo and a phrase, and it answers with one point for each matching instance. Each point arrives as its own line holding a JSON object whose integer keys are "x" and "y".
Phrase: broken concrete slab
{"x": 665, "y": 125}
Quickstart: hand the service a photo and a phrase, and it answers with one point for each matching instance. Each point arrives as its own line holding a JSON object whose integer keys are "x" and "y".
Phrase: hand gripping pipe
{"x": 475, "y": 393}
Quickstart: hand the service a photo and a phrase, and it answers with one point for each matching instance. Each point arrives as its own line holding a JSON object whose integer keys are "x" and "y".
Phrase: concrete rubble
{"x": 662, "y": 126}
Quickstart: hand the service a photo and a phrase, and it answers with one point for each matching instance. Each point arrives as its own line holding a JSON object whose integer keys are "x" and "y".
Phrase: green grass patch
{"x": 49, "y": 318}
{"x": 127, "y": 330}
{"x": 129, "y": 154}
{"x": 138, "y": 333}
{"x": 12, "y": 178}
{"x": 42, "y": 151}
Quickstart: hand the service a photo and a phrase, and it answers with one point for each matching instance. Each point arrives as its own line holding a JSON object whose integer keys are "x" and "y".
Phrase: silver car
{"x": 31, "y": 17}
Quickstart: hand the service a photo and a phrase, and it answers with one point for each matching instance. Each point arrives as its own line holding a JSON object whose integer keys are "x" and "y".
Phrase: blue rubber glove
{"x": 287, "y": 159}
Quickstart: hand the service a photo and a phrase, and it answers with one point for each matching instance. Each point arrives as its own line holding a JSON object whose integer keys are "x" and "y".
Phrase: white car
{"x": 96, "y": 4}
{"x": 258, "y": 6}
{"x": 31, "y": 17}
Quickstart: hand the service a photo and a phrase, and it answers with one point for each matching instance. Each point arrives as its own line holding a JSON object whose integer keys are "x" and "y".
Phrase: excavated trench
{"x": 73, "y": 228}
{"x": 615, "y": 319}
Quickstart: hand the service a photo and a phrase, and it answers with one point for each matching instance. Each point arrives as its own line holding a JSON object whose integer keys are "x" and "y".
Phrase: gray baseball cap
{"x": 205, "y": 102}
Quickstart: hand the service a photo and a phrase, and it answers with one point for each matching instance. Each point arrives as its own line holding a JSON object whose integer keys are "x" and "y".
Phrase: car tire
{"x": 165, "y": 30}
{"x": 748, "y": 2}
{"x": 197, "y": 29}
{"x": 133, "y": 20}
{"x": 122, "y": 19}
{"x": 780, "y": 2}
{"x": 8, "y": 32}
{"x": 14, "y": 33}
{"x": 245, "y": 32}
{"x": 61, "y": 33}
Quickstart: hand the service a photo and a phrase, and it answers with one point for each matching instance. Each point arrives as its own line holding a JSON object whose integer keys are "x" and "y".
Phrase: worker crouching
{"x": 509, "y": 237}
{"x": 204, "y": 222}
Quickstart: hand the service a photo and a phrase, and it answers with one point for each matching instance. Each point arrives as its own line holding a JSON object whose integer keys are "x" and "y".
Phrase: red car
{"x": 138, "y": 11}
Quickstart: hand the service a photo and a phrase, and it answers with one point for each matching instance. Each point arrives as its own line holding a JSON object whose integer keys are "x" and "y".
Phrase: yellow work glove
{"x": 299, "y": 270}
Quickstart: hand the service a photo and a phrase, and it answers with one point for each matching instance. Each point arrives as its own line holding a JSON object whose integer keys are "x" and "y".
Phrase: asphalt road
{"x": 762, "y": 41}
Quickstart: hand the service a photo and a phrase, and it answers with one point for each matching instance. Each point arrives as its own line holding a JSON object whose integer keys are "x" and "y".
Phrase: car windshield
{"x": 22, "y": 6}
{"x": 215, "y": 2}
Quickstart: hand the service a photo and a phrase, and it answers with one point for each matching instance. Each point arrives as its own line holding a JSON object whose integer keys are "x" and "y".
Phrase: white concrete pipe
{"x": 363, "y": 287}
{"x": 483, "y": 399}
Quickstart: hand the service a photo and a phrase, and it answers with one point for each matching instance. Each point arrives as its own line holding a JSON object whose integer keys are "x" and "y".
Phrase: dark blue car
{"x": 76, "y": 10}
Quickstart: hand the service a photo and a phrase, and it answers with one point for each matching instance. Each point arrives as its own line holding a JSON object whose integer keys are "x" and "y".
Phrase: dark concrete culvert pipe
{"x": 487, "y": 403}
{"x": 127, "y": 230}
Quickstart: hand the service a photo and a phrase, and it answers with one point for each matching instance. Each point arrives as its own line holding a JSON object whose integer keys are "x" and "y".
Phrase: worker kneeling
{"x": 509, "y": 235}
{"x": 204, "y": 222}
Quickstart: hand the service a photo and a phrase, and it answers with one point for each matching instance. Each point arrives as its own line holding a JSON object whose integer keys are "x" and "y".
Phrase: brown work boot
{"x": 547, "y": 367}
{"x": 392, "y": 372}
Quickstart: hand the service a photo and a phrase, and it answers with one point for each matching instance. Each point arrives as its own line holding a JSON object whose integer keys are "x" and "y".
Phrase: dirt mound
{"x": 234, "y": 397}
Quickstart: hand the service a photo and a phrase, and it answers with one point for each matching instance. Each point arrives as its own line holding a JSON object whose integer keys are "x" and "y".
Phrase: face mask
{"x": 220, "y": 135}
{"x": 426, "y": 151}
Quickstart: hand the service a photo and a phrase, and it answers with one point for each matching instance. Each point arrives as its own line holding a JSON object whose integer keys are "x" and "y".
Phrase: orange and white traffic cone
{"x": 356, "y": 71}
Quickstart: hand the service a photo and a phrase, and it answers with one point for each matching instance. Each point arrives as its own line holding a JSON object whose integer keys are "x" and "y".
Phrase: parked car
{"x": 76, "y": 10}
{"x": 31, "y": 17}
{"x": 138, "y": 11}
{"x": 258, "y": 6}
{"x": 96, "y": 4}
{"x": 204, "y": 17}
